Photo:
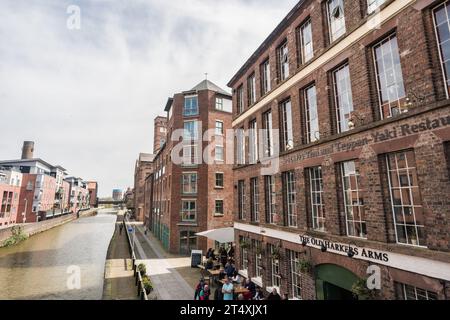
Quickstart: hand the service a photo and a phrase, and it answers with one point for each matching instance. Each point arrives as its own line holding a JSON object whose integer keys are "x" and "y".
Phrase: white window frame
{"x": 265, "y": 77}
{"x": 441, "y": 58}
{"x": 241, "y": 199}
{"x": 189, "y": 211}
{"x": 290, "y": 198}
{"x": 215, "y": 180}
{"x": 317, "y": 208}
{"x": 306, "y": 55}
{"x": 221, "y": 131}
{"x": 275, "y": 277}
{"x": 188, "y": 110}
{"x": 308, "y": 108}
{"x": 287, "y": 135}
{"x": 190, "y": 189}
{"x": 296, "y": 275}
{"x": 269, "y": 185}
{"x": 373, "y": 5}
{"x": 283, "y": 60}
{"x": 253, "y": 155}
{"x": 251, "y": 83}
{"x": 215, "y": 207}
{"x": 254, "y": 190}
{"x": 222, "y": 153}
{"x": 336, "y": 30}
{"x": 219, "y": 103}
{"x": 342, "y": 96}
{"x": 240, "y": 99}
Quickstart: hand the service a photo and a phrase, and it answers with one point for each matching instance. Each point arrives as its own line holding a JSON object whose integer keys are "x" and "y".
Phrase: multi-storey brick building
{"x": 352, "y": 99}
{"x": 191, "y": 193}
{"x": 10, "y": 182}
{"x": 144, "y": 167}
{"x": 93, "y": 191}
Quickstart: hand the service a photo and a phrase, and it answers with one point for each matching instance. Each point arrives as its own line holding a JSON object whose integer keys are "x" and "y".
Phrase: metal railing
{"x": 141, "y": 293}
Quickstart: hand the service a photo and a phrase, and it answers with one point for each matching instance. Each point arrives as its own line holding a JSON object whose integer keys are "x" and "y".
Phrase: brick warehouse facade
{"x": 143, "y": 168}
{"x": 357, "y": 90}
{"x": 190, "y": 195}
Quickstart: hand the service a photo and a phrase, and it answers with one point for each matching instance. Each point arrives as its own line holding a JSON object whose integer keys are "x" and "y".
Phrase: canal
{"x": 44, "y": 266}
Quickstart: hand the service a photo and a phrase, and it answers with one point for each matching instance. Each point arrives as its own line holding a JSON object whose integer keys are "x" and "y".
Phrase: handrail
{"x": 139, "y": 281}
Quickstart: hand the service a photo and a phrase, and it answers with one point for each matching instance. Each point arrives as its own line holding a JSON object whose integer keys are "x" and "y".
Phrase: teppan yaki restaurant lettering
{"x": 345, "y": 248}
{"x": 375, "y": 137}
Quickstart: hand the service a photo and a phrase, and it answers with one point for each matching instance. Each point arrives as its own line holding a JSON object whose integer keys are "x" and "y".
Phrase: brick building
{"x": 144, "y": 167}
{"x": 93, "y": 193}
{"x": 189, "y": 194}
{"x": 351, "y": 98}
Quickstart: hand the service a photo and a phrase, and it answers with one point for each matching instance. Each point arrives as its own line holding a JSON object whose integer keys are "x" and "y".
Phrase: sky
{"x": 87, "y": 96}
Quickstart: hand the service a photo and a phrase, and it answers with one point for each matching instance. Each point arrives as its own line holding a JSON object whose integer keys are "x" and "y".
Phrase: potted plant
{"x": 148, "y": 287}
{"x": 276, "y": 253}
{"x": 360, "y": 290}
{"x": 304, "y": 265}
{"x": 142, "y": 269}
{"x": 244, "y": 244}
{"x": 259, "y": 250}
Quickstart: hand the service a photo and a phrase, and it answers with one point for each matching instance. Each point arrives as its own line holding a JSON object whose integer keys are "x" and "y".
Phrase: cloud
{"x": 88, "y": 97}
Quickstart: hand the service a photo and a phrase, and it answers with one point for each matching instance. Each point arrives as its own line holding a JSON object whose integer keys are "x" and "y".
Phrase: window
{"x": 190, "y": 130}
{"x": 296, "y": 277}
{"x": 251, "y": 89}
{"x": 373, "y": 5}
{"x": 253, "y": 142}
{"x": 254, "y": 199}
{"x": 275, "y": 268}
{"x": 389, "y": 76}
{"x": 405, "y": 198}
{"x": 270, "y": 196}
{"x": 283, "y": 61}
{"x": 241, "y": 199}
{"x": 219, "y": 103}
{"x": 265, "y": 77}
{"x": 287, "y": 137}
{"x": 240, "y": 146}
{"x": 311, "y": 117}
{"x": 342, "y": 97}
{"x": 219, "y": 207}
{"x": 189, "y": 182}
{"x": 244, "y": 254}
{"x": 240, "y": 99}
{"x": 289, "y": 198}
{"x": 316, "y": 198}
{"x": 258, "y": 259}
{"x": 442, "y": 27}
{"x": 353, "y": 200}
{"x": 219, "y": 180}
{"x": 268, "y": 137}
{"x": 407, "y": 292}
{"x": 219, "y": 153}
{"x": 336, "y": 19}
{"x": 190, "y": 154}
{"x": 219, "y": 128}
{"x": 304, "y": 40}
{"x": 188, "y": 241}
{"x": 188, "y": 210}
{"x": 190, "y": 106}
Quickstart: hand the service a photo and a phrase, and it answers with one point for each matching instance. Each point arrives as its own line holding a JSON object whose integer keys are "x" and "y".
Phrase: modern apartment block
{"x": 79, "y": 194}
{"x": 189, "y": 194}
{"x": 10, "y": 182}
{"x": 352, "y": 98}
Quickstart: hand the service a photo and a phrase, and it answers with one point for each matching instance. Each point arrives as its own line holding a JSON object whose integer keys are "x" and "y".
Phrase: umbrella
{"x": 222, "y": 235}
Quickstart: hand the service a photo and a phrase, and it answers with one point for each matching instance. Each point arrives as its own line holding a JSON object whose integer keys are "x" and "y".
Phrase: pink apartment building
{"x": 10, "y": 182}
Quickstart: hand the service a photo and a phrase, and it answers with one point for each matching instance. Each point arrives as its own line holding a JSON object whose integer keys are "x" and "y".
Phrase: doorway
{"x": 334, "y": 282}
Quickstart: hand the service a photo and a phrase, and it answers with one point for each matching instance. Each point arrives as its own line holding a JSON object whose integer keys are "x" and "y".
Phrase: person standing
{"x": 250, "y": 286}
{"x": 204, "y": 293}
{"x": 274, "y": 295}
{"x": 259, "y": 294}
{"x": 218, "y": 295}
{"x": 227, "y": 290}
{"x": 198, "y": 289}
{"x": 120, "y": 228}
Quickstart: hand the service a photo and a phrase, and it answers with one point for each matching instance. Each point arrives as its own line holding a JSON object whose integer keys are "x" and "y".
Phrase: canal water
{"x": 46, "y": 265}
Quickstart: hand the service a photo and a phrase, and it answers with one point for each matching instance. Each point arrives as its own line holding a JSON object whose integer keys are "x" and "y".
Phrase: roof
{"x": 146, "y": 157}
{"x": 168, "y": 104}
{"x": 18, "y": 161}
{"x": 208, "y": 85}
{"x": 266, "y": 43}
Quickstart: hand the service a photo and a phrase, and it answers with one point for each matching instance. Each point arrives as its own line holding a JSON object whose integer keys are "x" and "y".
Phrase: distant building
{"x": 79, "y": 194}
{"x": 160, "y": 133}
{"x": 10, "y": 182}
{"x": 144, "y": 167}
{"x": 93, "y": 191}
{"x": 128, "y": 198}
{"x": 117, "y": 194}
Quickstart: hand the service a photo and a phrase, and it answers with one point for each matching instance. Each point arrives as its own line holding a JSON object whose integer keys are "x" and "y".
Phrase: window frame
{"x": 337, "y": 94}
{"x": 190, "y": 108}
{"x": 189, "y": 210}
{"x": 265, "y": 77}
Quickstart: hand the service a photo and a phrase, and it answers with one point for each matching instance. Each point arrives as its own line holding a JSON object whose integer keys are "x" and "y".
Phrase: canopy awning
{"x": 222, "y": 235}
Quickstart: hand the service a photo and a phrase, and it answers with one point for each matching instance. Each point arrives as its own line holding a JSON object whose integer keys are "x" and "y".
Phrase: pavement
{"x": 167, "y": 272}
{"x": 119, "y": 283}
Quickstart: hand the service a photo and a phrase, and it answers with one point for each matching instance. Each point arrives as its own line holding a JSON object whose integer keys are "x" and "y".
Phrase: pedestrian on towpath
{"x": 120, "y": 228}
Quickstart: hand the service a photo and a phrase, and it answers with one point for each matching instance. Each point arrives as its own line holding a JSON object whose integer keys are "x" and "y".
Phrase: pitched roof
{"x": 208, "y": 85}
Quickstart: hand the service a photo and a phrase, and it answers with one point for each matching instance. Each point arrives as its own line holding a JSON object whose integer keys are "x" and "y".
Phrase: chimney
{"x": 27, "y": 150}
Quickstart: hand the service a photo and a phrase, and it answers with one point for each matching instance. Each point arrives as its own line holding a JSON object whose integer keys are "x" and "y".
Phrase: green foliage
{"x": 304, "y": 266}
{"x": 360, "y": 289}
{"x": 244, "y": 244}
{"x": 148, "y": 287}
{"x": 142, "y": 269}
{"x": 16, "y": 237}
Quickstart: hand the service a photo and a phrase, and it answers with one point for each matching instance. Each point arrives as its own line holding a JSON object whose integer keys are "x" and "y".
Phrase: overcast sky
{"x": 88, "y": 97}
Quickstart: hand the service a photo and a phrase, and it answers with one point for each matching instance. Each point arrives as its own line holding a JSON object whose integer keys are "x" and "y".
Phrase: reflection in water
{"x": 37, "y": 268}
